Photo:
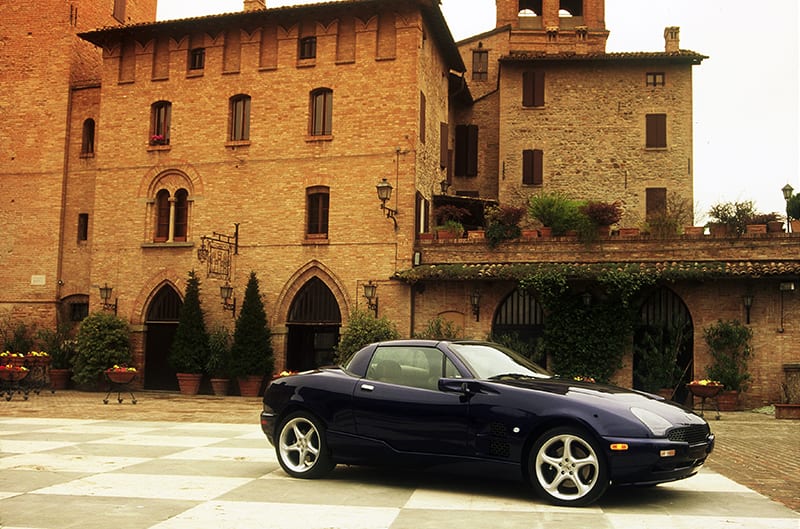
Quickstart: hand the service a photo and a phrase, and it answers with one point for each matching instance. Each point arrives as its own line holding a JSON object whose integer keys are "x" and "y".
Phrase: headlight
{"x": 654, "y": 422}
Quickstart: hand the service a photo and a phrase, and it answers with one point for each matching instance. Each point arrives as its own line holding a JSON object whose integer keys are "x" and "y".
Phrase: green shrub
{"x": 440, "y": 329}
{"x": 363, "y": 329}
{"x": 729, "y": 344}
{"x": 103, "y": 341}
{"x": 251, "y": 352}
{"x": 555, "y": 211}
{"x": 502, "y": 224}
{"x": 219, "y": 357}
{"x": 189, "y": 350}
{"x": 735, "y": 215}
{"x": 793, "y": 207}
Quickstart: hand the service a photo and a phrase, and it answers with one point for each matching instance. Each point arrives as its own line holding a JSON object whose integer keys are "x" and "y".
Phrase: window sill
{"x": 321, "y": 137}
{"x": 159, "y": 147}
{"x": 87, "y": 155}
{"x": 306, "y": 63}
{"x": 316, "y": 238}
{"x": 230, "y": 72}
{"x": 388, "y": 58}
{"x": 182, "y": 244}
{"x": 233, "y": 144}
{"x": 656, "y": 149}
{"x": 194, "y": 73}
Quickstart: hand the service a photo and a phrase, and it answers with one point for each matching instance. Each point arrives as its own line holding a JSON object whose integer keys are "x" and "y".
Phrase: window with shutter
{"x": 533, "y": 88}
{"x": 318, "y": 204}
{"x": 655, "y": 202}
{"x": 466, "y": 150}
{"x": 240, "y": 118}
{"x": 161, "y": 114}
{"x": 656, "y": 131}
{"x": 422, "y": 117}
{"x": 532, "y": 167}
{"x": 480, "y": 65}
{"x": 321, "y": 112}
{"x": 444, "y": 139}
{"x": 87, "y": 138}
{"x": 181, "y": 215}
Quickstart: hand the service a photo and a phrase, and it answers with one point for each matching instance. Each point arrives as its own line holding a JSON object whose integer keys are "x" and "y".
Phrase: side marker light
{"x": 619, "y": 447}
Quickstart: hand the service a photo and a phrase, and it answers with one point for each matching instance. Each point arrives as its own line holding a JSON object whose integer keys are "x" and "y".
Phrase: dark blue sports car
{"x": 426, "y": 402}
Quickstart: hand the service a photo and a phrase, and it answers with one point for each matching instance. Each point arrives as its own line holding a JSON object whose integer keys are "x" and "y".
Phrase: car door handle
{"x": 367, "y": 387}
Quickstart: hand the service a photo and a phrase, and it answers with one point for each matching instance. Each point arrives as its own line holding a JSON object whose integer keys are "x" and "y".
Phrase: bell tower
{"x": 555, "y": 26}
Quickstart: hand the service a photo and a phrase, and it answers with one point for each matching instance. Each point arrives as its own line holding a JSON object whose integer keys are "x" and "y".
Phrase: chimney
{"x": 672, "y": 39}
{"x": 254, "y": 5}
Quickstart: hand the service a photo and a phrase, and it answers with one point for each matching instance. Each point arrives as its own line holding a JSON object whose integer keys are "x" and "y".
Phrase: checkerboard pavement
{"x": 73, "y": 473}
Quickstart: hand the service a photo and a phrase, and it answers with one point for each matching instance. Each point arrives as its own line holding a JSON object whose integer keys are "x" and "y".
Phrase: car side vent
{"x": 498, "y": 446}
{"x": 497, "y": 429}
{"x": 694, "y": 434}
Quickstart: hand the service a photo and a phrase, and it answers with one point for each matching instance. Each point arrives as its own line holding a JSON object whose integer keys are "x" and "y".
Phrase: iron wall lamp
{"x": 445, "y": 185}
{"x": 384, "y": 189}
{"x": 228, "y": 298}
{"x": 475, "y": 302}
{"x": 370, "y": 293}
{"x": 105, "y": 295}
{"x": 747, "y": 301}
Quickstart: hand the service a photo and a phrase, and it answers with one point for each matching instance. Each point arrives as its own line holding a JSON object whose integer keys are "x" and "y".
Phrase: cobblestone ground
{"x": 753, "y": 449}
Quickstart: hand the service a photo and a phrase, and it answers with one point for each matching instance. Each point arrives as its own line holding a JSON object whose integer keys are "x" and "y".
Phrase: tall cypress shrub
{"x": 190, "y": 347}
{"x": 251, "y": 352}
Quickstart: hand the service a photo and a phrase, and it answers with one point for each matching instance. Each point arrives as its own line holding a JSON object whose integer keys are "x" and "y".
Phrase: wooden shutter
{"x": 444, "y": 139}
{"x": 532, "y": 167}
{"x": 655, "y": 202}
{"x": 656, "y": 132}
{"x": 466, "y": 152}
{"x": 422, "y": 118}
{"x": 533, "y": 88}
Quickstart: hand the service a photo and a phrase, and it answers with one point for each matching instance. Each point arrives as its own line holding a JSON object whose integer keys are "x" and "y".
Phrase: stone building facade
{"x": 254, "y": 141}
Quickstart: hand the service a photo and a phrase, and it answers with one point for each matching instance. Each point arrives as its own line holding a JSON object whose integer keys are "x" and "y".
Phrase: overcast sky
{"x": 746, "y": 99}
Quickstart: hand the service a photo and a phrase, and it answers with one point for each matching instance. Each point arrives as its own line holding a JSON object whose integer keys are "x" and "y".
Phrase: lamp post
{"x": 787, "y": 194}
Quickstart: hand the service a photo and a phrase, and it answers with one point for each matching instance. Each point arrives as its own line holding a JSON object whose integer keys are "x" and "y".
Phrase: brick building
{"x": 254, "y": 141}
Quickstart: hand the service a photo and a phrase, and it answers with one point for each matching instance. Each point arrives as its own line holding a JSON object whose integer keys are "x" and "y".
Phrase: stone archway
{"x": 161, "y": 321}
{"x": 313, "y": 326}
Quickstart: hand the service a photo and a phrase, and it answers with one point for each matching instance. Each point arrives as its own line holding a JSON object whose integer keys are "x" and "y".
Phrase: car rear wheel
{"x": 301, "y": 448}
{"x": 566, "y": 467}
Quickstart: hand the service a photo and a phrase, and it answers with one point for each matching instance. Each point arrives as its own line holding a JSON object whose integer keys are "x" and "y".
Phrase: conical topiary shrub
{"x": 188, "y": 354}
{"x": 251, "y": 352}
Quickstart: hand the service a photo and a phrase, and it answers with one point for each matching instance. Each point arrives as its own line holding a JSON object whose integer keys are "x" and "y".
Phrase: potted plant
{"x": 729, "y": 345}
{"x": 251, "y": 352}
{"x": 555, "y": 211}
{"x": 189, "y": 351}
{"x": 219, "y": 359}
{"x": 448, "y": 221}
{"x": 730, "y": 218}
{"x": 102, "y": 341}
{"x": 602, "y": 215}
{"x": 655, "y": 366}
{"x": 503, "y": 223}
{"x": 61, "y": 351}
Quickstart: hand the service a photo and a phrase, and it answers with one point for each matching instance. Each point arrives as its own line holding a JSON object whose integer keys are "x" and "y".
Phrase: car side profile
{"x": 425, "y": 402}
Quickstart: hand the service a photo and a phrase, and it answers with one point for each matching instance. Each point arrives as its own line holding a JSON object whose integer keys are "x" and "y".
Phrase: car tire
{"x": 566, "y": 467}
{"x": 301, "y": 447}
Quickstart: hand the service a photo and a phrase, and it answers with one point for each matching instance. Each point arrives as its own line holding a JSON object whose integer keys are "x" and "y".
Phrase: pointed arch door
{"x": 161, "y": 321}
{"x": 313, "y": 324}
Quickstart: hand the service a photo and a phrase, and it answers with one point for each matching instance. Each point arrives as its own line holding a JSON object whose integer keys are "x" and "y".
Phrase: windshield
{"x": 492, "y": 360}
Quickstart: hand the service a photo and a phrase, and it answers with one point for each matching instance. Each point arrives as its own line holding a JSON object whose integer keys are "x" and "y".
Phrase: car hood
{"x": 607, "y": 398}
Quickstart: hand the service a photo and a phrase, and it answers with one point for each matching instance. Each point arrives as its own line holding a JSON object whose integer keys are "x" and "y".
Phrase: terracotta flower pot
{"x": 59, "y": 378}
{"x": 728, "y": 400}
{"x": 220, "y": 386}
{"x": 250, "y": 385}
{"x": 189, "y": 383}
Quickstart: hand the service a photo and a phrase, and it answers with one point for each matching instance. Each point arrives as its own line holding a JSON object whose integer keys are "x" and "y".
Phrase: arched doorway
{"x": 663, "y": 343}
{"x": 519, "y": 324}
{"x": 161, "y": 321}
{"x": 313, "y": 324}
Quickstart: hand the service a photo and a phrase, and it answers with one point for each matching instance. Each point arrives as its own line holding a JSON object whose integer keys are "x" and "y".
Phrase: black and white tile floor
{"x": 60, "y": 474}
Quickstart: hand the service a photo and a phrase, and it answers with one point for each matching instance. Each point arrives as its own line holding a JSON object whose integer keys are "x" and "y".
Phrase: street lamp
{"x": 787, "y": 194}
{"x": 384, "y": 189}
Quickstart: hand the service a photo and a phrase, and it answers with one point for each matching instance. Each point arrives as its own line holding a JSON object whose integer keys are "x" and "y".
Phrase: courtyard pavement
{"x": 172, "y": 462}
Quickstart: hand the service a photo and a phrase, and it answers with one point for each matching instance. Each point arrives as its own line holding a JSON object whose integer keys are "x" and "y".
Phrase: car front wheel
{"x": 566, "y": 467}
{"x": 301, "y": 447}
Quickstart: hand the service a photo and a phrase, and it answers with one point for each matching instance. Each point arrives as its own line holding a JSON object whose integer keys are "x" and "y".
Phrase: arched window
{"x": 317, "y": 204}
{"x": 162, "y": 216}
{"x": 240, "y": 118}
{"x": 87, "y": 137}
{"x": 530, "y": 7}
{"x": 571, "y": 8}
{"x": 321, "y": 112}
{"x": 160, "y": 116}
{"x": 172, "y": 216}
{"x": 181, "y": 215}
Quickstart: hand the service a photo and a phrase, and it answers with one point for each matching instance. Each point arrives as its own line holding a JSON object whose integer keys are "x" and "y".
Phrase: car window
{"x": 490, "y": 360}
{"x": 419, "y": 367}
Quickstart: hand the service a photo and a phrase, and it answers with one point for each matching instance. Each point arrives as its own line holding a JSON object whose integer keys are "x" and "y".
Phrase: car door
{"x": 398, "y": 402}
